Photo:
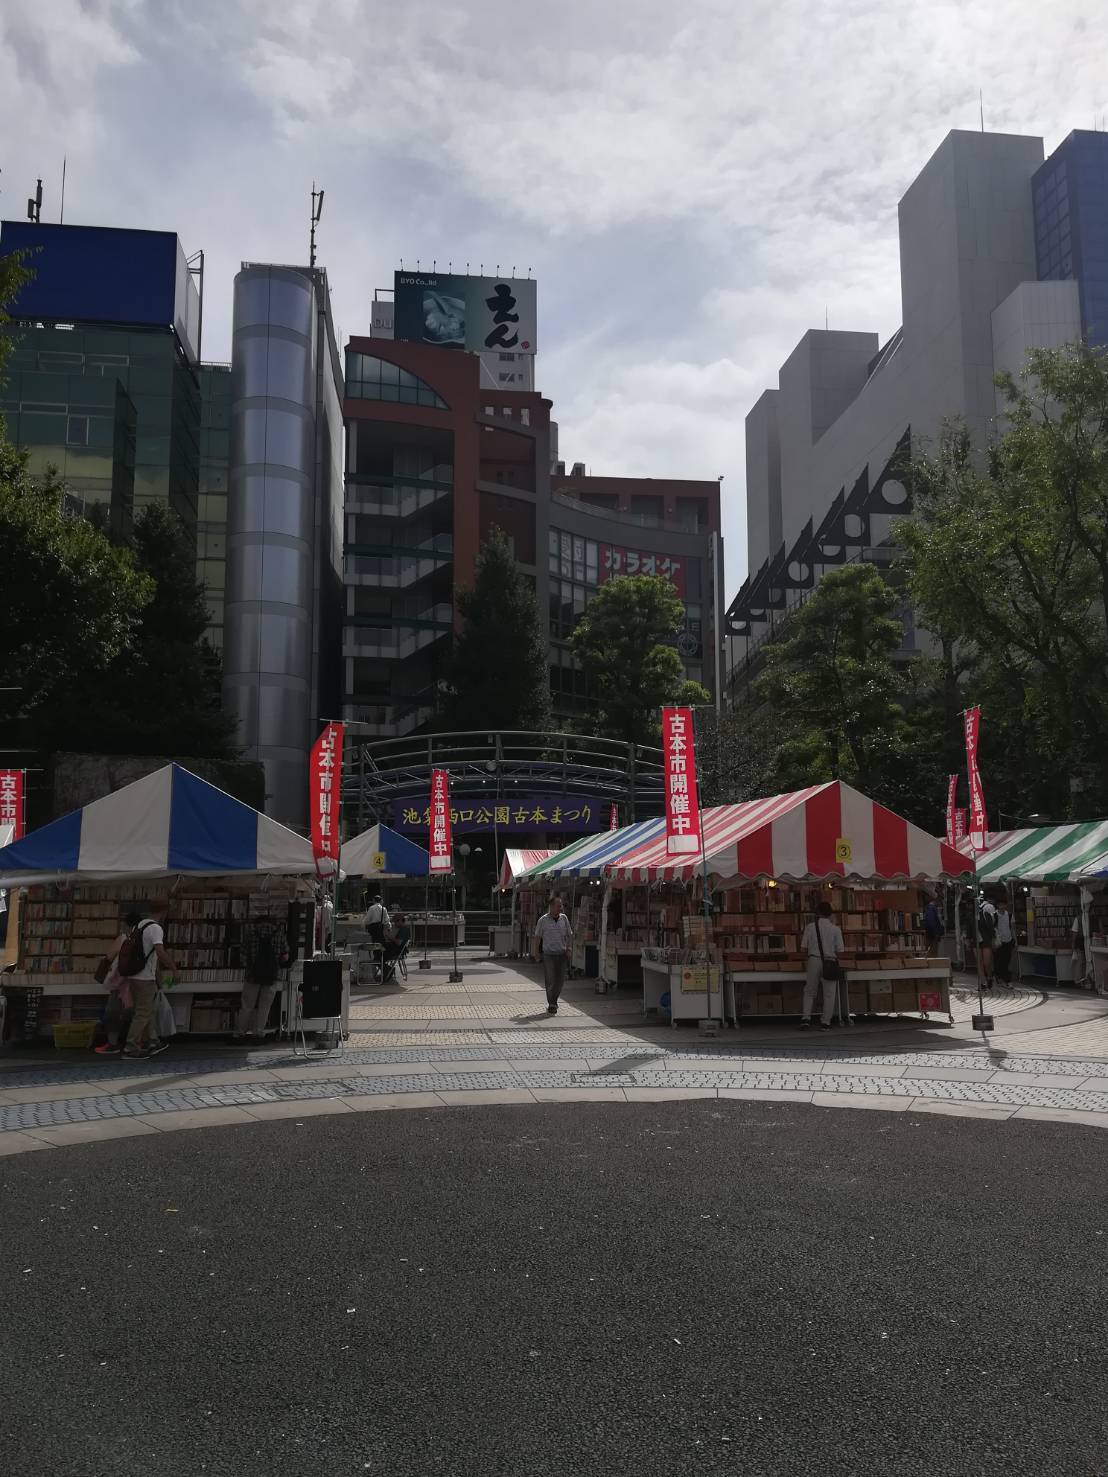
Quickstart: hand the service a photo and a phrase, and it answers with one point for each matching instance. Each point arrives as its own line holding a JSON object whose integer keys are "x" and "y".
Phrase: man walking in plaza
{"x": 822, "y": 942}
{"x": 554, "y": 936}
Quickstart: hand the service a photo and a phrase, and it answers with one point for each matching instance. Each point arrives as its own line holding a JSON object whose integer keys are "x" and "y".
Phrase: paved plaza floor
{"x": 429, "y": 1043}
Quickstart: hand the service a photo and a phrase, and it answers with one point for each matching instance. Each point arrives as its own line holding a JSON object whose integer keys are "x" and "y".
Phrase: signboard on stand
{"x": 682, "y": 804}
{"x": 440, "y": 848}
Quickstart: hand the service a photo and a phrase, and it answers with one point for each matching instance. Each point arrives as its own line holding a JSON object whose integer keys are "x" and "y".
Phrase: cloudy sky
{"x": 693, "y": 185}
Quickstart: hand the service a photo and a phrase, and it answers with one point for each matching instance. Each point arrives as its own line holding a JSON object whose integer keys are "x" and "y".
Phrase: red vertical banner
{"x": 682, "y": 806}
{"x": 11, "y": 801}
{"x": 951, "y": 807}
{"x": 978, "y": 825}
{"x": 959, "y": 825}
{"x": 325, "y": 795}
{"x": 613, "y": 818}
{"x": 442, "y": 856}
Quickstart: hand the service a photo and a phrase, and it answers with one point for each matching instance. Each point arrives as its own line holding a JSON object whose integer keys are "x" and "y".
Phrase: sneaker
{"x": 552, "y": 1010}
{"x": 107, "y": 1049}
{"x": 805, "y": 1025}
{"x": 825, "y": 1025}
{"x": 135, "y": 1056}
{"x": 160, "y": 1047}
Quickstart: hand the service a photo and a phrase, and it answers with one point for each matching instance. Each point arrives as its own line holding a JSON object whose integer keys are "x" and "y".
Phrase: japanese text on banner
{"x": 951, "y": 806}
{"x": 440, "y": 848}
{"x": 978, "y": 825}
{"x": 325, "y": 791}
{"x": 682, "y": 805}
{"x": 11, "y": 801}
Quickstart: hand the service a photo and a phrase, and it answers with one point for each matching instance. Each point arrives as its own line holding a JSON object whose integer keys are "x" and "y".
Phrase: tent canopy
{"x": 518, "y": 860}
{"x": 1046, "y": 854}
{"x": 167, "y": 823}
{"x": 381, "y": 852}
{"x": 823, "y": 832}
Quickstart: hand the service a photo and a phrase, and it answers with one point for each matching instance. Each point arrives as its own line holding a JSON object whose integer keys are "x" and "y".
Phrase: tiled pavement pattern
{"x": 406, "y": 1051}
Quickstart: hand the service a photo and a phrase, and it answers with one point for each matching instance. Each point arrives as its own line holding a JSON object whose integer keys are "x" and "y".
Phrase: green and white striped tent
{"x": 1077, "y": 853}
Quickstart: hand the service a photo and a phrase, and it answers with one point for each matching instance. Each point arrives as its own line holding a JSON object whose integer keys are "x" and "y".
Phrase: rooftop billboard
{"x": 475, "y": 313}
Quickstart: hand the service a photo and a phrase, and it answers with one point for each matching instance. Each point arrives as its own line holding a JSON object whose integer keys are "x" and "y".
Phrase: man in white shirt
{"x": 554, "y": 935}
{"x": 378, "y": 925}
{"x": 822, "y": 940}
{"x": 147, "y": 941}
{"x": 1005, "y": 941}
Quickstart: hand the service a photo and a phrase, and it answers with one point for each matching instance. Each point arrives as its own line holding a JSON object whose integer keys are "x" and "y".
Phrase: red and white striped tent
{"x": 812, "y": 835}
{"x": 519, "y": 859}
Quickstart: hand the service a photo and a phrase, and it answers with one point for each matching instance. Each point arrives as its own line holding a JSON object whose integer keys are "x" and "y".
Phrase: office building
{"x": 214, "y": 476}
{"x": 103, "y": 381}
{"x": 436, "y": 456}
{"x": 999, "y": 253}
{"x": 282, "y": 627}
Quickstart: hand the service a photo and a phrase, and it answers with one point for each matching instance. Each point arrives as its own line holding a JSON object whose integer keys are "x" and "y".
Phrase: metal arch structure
{"x": 379, "y": 773}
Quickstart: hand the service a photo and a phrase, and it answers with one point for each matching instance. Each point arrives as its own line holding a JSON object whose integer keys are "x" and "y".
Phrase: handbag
{"x": 830, "y": 970}
{"x": 164, "y": 1021}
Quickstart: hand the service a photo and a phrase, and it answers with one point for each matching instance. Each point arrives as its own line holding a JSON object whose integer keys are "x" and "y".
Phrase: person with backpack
{"x": 987, "y": 924}
{"x": 137, "y": 963}
{"x": 267, "y": 953}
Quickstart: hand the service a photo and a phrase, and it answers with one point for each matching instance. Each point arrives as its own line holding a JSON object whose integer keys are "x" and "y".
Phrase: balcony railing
{"x": 408, "y": 635}
{"x": 685, "y": 523}
{"x": 394, "y": 502}
{"x": 398, "y": 570}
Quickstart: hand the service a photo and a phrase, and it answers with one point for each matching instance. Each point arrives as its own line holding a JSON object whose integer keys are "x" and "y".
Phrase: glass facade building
{"x": 215, "y": 461}
{"x": 1070, "y": 200}
{"x": 115, "y": 410}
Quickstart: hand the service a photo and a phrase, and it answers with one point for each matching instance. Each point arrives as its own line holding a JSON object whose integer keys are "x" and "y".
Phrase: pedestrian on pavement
{"x": 143, "y": 950}
{"x": 119, "y": 1008}
{"x": 1005, "y": 940}
{"x": 986, "y": 937}
{"x": 378, "y": 925}
{"x": 822, "y": 942}
{"x": 933, "y": 927}
{"x": 553, "y": 936}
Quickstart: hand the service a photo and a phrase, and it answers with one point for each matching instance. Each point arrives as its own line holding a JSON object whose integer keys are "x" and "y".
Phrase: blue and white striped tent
{"x": 381, "y": 852}
{"x": 168, "y": 823}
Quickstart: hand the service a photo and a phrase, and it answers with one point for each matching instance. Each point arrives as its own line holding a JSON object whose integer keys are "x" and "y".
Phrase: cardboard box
{"x": 792, "y": 998}
{"x": 880, "y": 996}
{"x": 769, "y": 1004}
{"x": 859, "y": 998}
{"x": 905, "y": 996}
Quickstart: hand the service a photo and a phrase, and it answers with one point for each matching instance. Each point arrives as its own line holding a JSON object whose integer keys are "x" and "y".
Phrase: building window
{"x": 370, "y": 378}
{"x": 76, "y": 430}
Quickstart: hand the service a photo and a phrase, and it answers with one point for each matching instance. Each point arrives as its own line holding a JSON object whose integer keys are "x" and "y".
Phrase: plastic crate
{"x": 74, "y": 1034}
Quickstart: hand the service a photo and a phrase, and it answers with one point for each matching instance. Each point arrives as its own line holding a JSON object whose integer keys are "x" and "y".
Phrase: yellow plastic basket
{"x": 74, "y": 1034}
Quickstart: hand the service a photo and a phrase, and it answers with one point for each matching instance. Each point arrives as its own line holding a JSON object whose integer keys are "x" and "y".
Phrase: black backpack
{"x": 133, "y": 956}
{"x": 265, "y": 964}
{"x": 986, "y": 927}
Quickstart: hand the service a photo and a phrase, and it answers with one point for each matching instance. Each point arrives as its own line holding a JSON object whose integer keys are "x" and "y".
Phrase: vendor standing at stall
{"x": 822, "y": 942}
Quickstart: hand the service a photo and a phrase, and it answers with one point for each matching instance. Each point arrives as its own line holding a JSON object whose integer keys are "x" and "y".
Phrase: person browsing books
{"x": 822, "y": 943}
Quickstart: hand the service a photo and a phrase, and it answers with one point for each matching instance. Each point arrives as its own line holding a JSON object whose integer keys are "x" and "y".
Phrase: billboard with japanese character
{"x": 520, "y": 813}
{"x": 615, "y": 561}
{"x": 475, "y": 313}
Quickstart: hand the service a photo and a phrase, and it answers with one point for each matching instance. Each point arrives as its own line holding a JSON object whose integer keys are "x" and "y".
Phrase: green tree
{"x": 498, "y": 675}
{"x": 13, "y": 274}
{"x": 72, "y": 601}
{"x": 160, "y": 695}
{"x": 832, "y": 685}
{"x": 1008, "y": 559}
{"x": 623, "y": 642}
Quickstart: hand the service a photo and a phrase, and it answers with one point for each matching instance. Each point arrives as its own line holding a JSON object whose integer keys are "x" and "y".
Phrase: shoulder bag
{"x": 830, "y": 969}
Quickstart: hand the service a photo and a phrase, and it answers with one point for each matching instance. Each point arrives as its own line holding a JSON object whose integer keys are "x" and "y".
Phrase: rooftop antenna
{"x": 317, "y": 211}
{"x": 826, "y": 318}
{"x": 981, "y": 105}
{"x": 34, "y": 205}
{"x": 61, "y": 213}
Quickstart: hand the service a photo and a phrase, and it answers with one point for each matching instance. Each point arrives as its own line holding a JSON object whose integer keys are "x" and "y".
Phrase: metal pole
{"x": 455, "y": 976}
{"x": 425, "y": 962}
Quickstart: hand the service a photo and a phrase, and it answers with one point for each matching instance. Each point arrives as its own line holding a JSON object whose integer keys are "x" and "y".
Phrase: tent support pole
{"x": 455, "y": 975}
{"x": 425, "y": 962}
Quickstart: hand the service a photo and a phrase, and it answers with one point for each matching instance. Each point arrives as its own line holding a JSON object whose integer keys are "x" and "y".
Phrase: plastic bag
{"x": 164, "y": 1022}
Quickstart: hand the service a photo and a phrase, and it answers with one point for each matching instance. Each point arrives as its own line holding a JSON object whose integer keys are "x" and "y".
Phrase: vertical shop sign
{"x": 325, "y": 786}
{"x": 442, "y": 859}
{"x": 613, "y": 818}
{"x": 951, "y": 807}
{"x": 11, "y": 801}
{"x": 682, "y": 806}
{"x": 978, "y": 825}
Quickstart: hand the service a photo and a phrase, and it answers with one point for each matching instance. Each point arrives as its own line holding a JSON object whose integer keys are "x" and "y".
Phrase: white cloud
{"x": 693, "y": 186}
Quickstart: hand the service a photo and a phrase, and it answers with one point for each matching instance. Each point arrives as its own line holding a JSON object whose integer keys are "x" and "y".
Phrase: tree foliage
{"x": 623, "y": 642}
{"x": 498, "y": 677}
{"x": 72, "y": 601}
{"x": 831, "y": 683}
{"x": 161, "y": 694}
{"x": 1008, "y": 562}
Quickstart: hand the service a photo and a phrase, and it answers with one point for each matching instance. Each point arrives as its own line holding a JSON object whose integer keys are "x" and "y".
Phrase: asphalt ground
{"x": 559, "y": 1290}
